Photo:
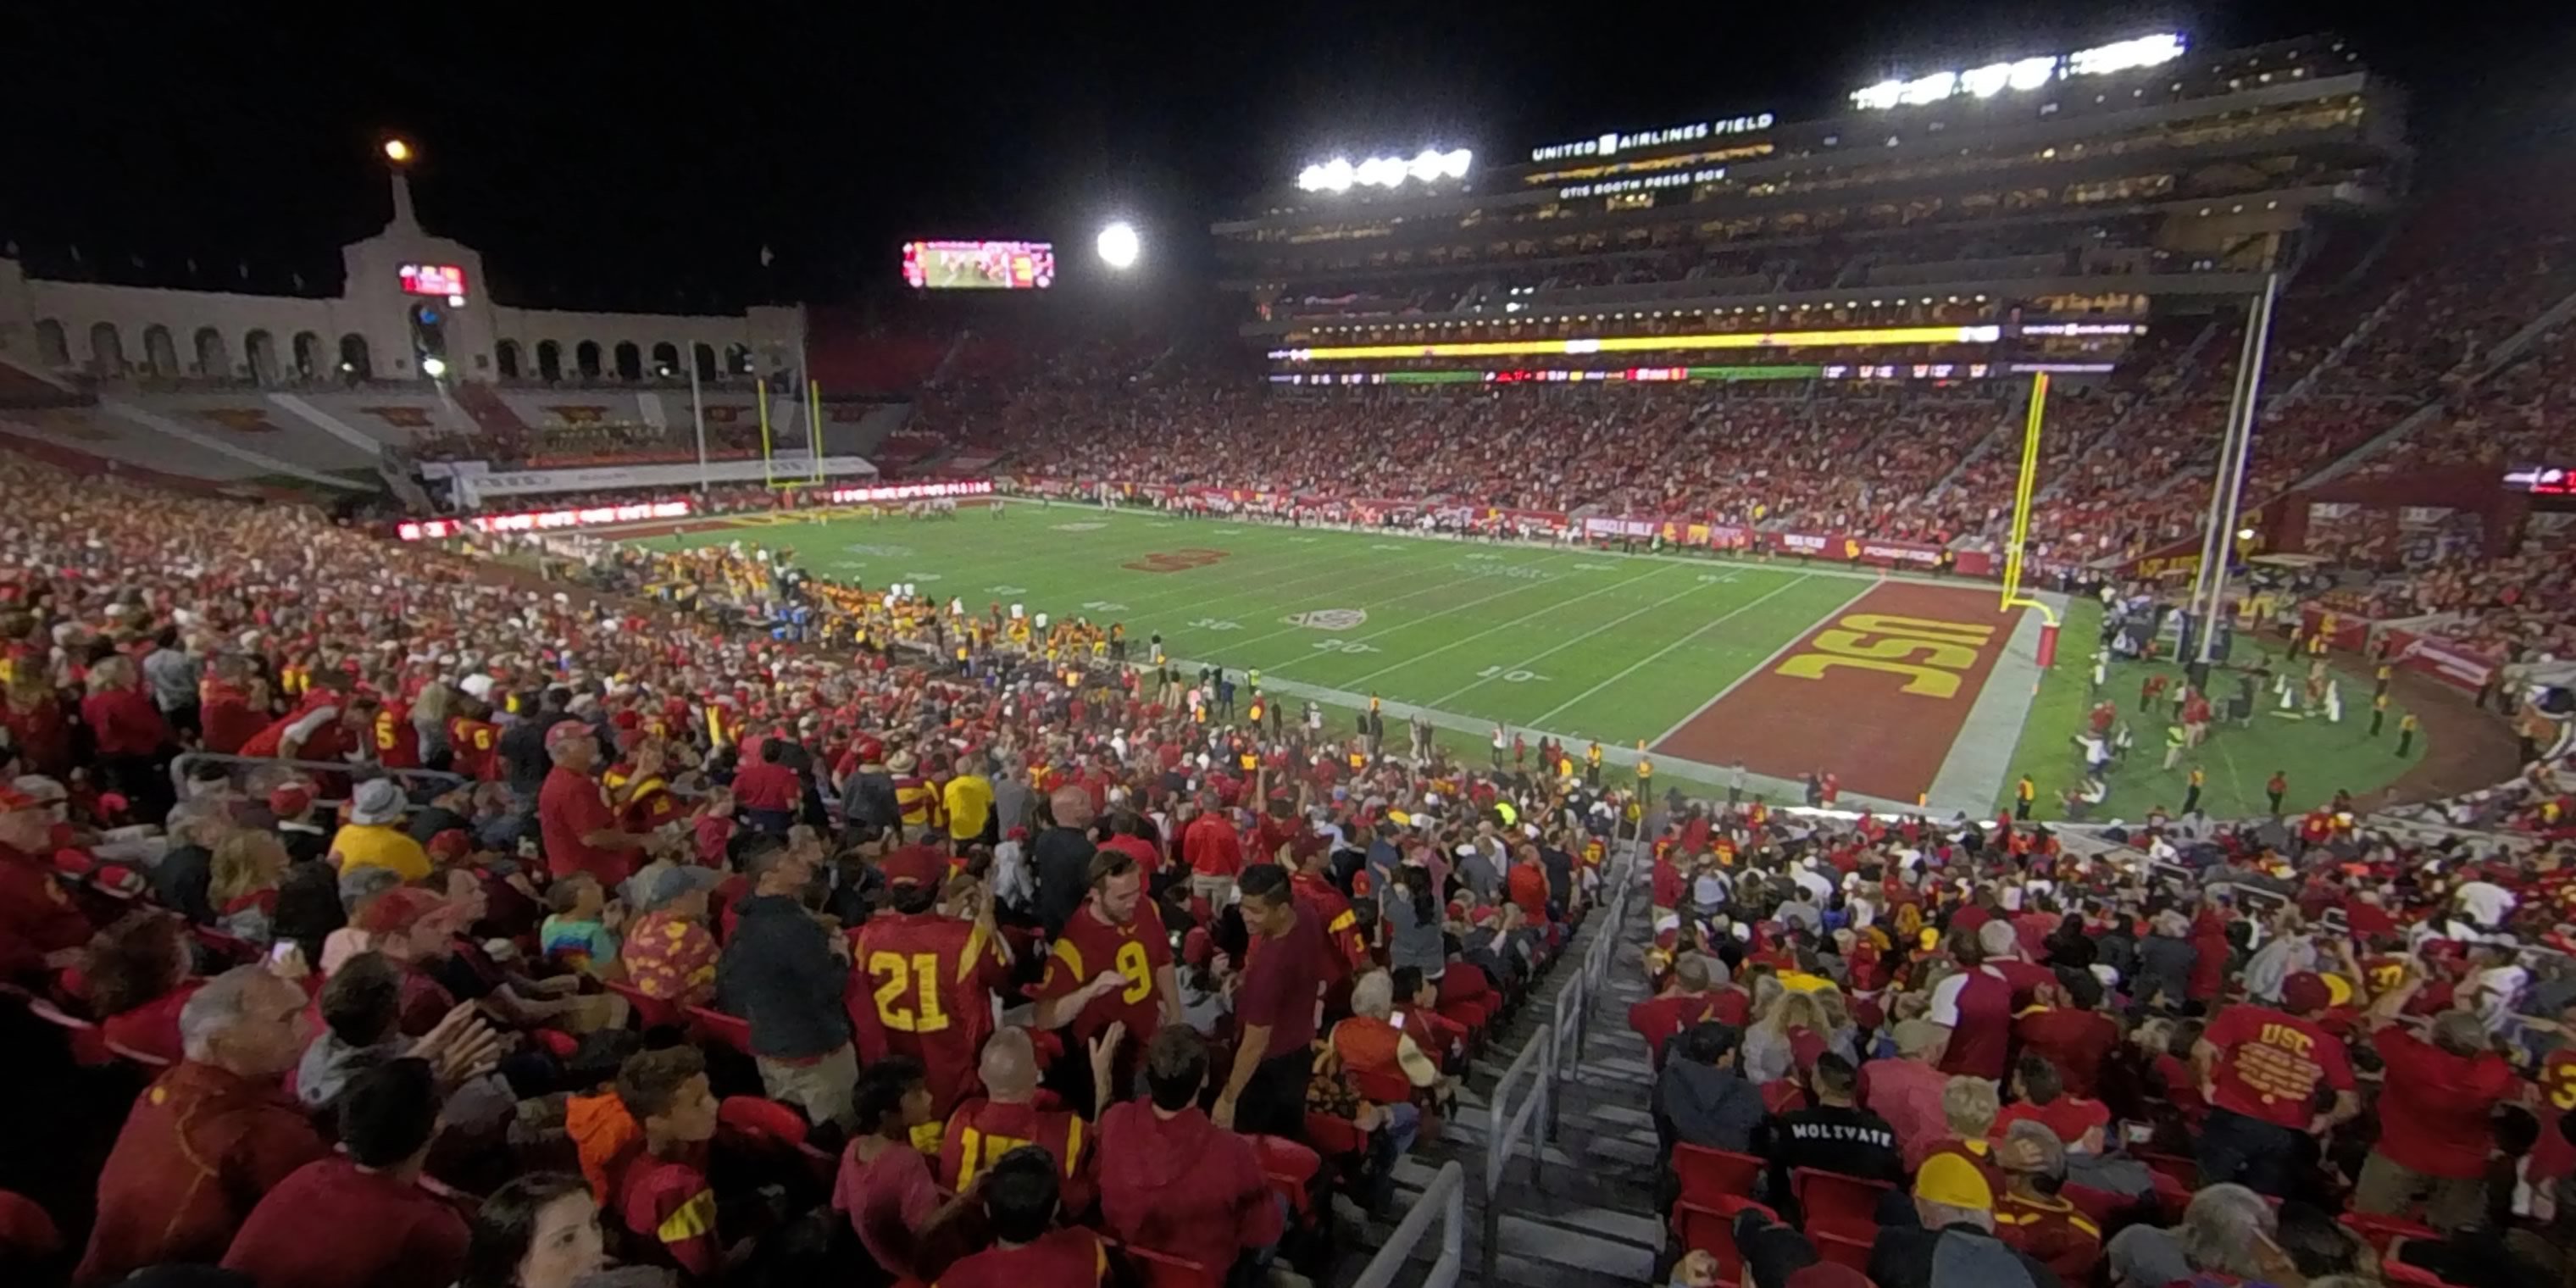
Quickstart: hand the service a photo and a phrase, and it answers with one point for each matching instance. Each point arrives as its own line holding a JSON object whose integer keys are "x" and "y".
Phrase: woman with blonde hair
{"x": 1770, "y": 1046}
{"x": 243, "y": 887}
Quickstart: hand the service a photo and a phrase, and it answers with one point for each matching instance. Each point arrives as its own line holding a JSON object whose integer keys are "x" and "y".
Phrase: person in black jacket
{"x": 1702, "y": 1097}
{"x": 1833, "y": 1135}
{"x": 784, "y": 971}
{"x": 1943, "y": 1236}
{"x": 1061, "y": 858}
{"x": 867, "y": 796}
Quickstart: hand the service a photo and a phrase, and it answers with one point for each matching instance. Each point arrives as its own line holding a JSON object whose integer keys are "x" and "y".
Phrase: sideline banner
{"x": 2447, "y": 660}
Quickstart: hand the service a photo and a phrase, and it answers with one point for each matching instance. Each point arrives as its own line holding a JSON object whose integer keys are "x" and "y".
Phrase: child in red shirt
{"x": 1028, "y": 1249}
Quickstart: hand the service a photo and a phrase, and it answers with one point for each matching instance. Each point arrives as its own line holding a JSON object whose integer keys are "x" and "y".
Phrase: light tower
{"x": 398, "y": 158}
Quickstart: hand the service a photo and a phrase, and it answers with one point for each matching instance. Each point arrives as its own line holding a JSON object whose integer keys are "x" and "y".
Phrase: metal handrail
{"x": 1536, "y": 1061}
{"x": 311, "y": 769}
{"x": 1543, "y": 1058}
{"x": 1449, "y": 1191}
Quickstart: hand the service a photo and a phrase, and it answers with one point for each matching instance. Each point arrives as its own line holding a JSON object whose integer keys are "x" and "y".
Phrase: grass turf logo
{"x": 1328, "y": 619}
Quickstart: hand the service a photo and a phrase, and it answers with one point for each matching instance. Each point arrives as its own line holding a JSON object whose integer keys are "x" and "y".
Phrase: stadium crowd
{"x": 948, "y": 956}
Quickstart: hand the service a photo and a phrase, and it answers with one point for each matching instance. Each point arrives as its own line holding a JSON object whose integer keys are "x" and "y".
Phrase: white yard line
{"x": 1543, "y": 654}
{"x": 1518, "y": 585}
{"x": 1649, "y": 659}
{"x": 1558, "y": 606}
{"x": 1758, "y": 667}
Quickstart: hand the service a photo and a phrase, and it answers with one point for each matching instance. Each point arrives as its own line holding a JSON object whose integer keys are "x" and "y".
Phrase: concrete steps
{"x": 1586, "y": 1218}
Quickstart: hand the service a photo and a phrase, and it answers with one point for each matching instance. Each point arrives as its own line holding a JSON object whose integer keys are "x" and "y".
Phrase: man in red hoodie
{"x": 1173, "y": 1182}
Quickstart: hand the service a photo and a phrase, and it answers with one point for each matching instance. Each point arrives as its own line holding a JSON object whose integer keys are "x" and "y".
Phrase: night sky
{"x": 601, "y": 162}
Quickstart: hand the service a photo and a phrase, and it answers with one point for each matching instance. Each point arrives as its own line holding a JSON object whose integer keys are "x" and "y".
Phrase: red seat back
{"x": 761, "y": 1120}
{"x": 2382, "y": 1231}
{"x": 1842, "y": 1249}
{"x": 1162, "y": 1270}
{"x": 1712, "y": 1230}
{"x": 1841, "y": 1204}
{"x": 1709, "y": 1176}
{"x": 652, "y": 1012}
{"x": 723, "y": 1029}
{"x": 1335, "y": 1137}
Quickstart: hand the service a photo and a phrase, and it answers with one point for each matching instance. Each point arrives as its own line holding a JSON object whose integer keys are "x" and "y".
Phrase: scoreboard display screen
{"x": 979, "y": 265}
{"x": 433, "y": 279}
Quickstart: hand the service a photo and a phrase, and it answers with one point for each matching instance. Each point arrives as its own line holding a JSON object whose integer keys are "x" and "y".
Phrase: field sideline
{"x": 1706, "y": 661}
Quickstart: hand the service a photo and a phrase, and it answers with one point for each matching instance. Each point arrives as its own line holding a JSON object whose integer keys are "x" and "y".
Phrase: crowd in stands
{"x": 2298, "y": 1050}
{"x": 512, "y": 930}
{"x": 605, "y": 443}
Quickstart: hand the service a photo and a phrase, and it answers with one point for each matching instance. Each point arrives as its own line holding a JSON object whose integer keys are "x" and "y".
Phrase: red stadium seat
{"x": 1337, "y": 1138}
{"x": 1843, "y": 1250}
{"x": 1783, "y": 1096}
{"x": 1151, "y": 1269}
{"x": 651, "y": 1012}
{"x": 1710, "y": 1175}
{"x": 2380, "y": 1232}
{"x": 728, "y": 1031}
{"x": 2184, "y": 1171}
{"x": 1290, "y": 1168}
{"x": 761, "y": 1120}
{"x": 1712, "y": 1230}
{"x": 1838, "y": 1203}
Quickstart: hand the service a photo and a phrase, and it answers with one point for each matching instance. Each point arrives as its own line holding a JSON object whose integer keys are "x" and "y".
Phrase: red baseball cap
{"x": 452, "y": 844}
{"x": 289, "y": 800}
{"x": 563, "y": 731}
{"x": 2306, "y": 991}
{"x": 914, "y": 865}
{"x": 396, "y": 911}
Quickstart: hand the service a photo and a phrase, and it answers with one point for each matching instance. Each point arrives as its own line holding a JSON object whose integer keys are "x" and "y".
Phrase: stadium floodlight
{"x": 1118, "y": 244}
{"x": 398, "y": 151}
{"x": 1427, "y": 166}
{"x": 2125, "y": 55}
{"x": 433, "y": 367}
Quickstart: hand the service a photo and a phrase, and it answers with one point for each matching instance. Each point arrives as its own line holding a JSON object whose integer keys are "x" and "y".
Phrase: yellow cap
{"x": 1952, "y": 1181}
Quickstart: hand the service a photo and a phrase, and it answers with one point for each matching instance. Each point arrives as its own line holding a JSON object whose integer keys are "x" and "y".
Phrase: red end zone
{"x": 1876, "y": 693}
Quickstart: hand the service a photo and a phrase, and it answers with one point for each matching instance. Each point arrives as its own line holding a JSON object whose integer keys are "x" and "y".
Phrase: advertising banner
{"x": 2447, "y": 660}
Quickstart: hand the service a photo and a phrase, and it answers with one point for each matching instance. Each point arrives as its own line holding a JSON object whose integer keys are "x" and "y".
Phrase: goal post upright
{"x": 2024, "y": 488}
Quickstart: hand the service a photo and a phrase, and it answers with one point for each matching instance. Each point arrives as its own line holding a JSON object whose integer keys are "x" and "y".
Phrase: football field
{"x": 1905, "y": 688}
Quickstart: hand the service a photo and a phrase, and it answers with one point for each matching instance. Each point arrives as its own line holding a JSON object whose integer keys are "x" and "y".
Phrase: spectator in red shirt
{"x": 767, "y": 790}
{"x": 2261, "y": 1069}
{"x": 132, "y": 739}
{"x": 210, "y": 1135}
{"x": 2067, "y": 1025}
{"x": 39, "y": 927}
{"x": 1029, "y": 1248}
{"x": 359, "y": 1219}
{"x": 574, "y": 813}
{"x": 2435, "y": 1124}
{"x": 1170, "y": 1180}
{"x": 1975, "y": 1005}
{"x": 884, "y": 1185}
{"x": 137, "y": 977}
{"x": 1213, "y": 852}
{"x": 1906, "y": 1091}
{"x": 1684, "y": 1002}
{"x": 2040, "y": 1096}
{"x": 539, "y": 1231}
{"x": 663, "y": 1195}
{"x": 1274, "y": 1054}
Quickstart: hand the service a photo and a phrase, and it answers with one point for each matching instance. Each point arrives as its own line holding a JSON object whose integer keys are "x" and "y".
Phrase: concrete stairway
{"x": 1583, "y": 1218}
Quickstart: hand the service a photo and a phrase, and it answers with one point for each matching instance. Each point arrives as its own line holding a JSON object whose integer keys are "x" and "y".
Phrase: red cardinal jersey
{"x": 923, "y": 987}
{"x": 1090, "y": 946}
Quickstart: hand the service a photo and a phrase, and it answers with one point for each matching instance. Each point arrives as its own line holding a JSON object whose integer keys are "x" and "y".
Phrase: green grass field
{"x": 2319, "y": 757}
{"x": 1578, "y": 643}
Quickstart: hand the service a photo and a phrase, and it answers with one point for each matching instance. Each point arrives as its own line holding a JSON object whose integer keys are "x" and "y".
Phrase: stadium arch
{"x": 704, "y": 356}
{"x": 307, "y": 352}
{"x": 214, "y": 360}
{"x": 666, "y": 359}
{"x": 53, "y": 348}
{"x": 585, "y": 359}
{"x": 259, "y": 351}
{"x": 630, "y": 361}
{"x": 505, "y": 356}
{"x": 106, "y": 349}
{"x": 737, "y": 359}
{"x": 355, "y": 362}
{"x": 160, "y": 352}
{"x": 549, "y": 361}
